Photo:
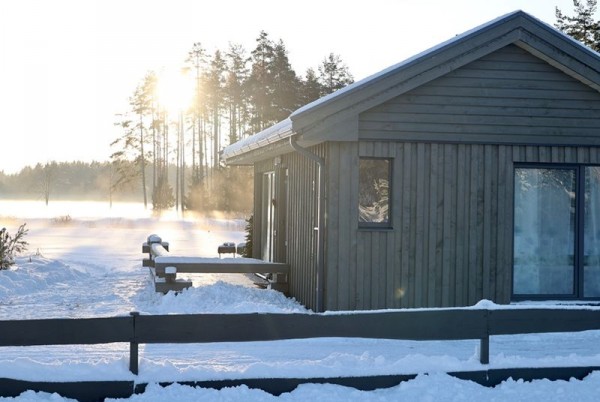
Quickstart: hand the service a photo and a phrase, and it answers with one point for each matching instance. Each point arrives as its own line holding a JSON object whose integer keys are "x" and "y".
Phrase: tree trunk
{"x": 143, "y": 161}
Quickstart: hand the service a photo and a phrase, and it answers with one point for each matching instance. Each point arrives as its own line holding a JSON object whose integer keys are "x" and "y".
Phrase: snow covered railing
{"x": 416, "y": 325}
{"x": 161, "y": 263}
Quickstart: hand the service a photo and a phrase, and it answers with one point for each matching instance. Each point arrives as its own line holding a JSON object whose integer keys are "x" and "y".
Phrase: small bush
{"x": 11, "y": 246}
{"x": 62, "y": 220}
{"x": 249, "y": 230}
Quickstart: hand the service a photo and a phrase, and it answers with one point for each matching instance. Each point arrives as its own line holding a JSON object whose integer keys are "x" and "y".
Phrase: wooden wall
{"x": 451, "y": 237}
{"x": 296, "y": 218}
{"x": 454, "y": 142}
{"x": 452, "y": 217}
{"x": 507, "y": 97}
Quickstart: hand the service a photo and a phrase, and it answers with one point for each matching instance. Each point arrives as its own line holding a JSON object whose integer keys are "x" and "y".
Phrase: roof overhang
{"x": 269, "y": 142}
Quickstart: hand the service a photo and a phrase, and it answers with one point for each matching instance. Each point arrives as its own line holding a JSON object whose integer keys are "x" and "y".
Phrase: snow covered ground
{"x": 91, "y": 267}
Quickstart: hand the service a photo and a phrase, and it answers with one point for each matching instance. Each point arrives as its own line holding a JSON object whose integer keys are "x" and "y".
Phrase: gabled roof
{"x": 335, "y": 116}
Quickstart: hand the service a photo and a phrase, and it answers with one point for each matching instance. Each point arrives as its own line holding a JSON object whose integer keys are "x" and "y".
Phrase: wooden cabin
{"x": 470, "y": 171}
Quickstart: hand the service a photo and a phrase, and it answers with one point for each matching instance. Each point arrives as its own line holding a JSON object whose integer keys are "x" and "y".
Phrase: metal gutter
{"x": 320, "y": 220}
{"x": 271, "y": 135}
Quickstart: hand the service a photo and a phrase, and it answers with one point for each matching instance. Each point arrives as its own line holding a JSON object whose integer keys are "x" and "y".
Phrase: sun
{"x": 174, "y": 91}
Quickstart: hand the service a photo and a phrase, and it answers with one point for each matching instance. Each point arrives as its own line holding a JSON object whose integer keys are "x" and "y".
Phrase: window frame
{"x": 579, "y": 233}
{"x": 387, "y": 225}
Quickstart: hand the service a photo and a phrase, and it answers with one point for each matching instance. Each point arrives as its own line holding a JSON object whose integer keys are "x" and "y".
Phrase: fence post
{"x": 484, "y": 350}
{"x": 484, "y": 343}
{"x": 133, "y": 348}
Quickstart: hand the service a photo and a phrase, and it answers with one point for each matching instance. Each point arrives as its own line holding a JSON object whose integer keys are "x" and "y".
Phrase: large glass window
{"x": 544, "y": 243}
{"x": 557, "y": 232}
{"x": 591, "y": 241}
{"x": 374, "y": 192}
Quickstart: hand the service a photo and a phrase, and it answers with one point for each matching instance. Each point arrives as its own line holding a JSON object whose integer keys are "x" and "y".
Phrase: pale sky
{"x": 68, "y": 66}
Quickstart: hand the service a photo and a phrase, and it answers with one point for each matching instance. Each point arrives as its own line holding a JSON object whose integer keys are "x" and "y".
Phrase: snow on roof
{"x": 279, "y": 131}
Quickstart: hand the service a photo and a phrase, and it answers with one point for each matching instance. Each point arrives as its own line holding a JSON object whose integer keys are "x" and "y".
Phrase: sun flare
{"x": 174, "y": 91}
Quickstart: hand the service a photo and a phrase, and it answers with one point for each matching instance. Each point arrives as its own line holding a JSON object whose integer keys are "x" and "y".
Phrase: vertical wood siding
{"x": 301, "y": 220}
{"x": 453, "y": 142}
{"x": 453, "y": 146}
{"x": 452, "y": 214}
{"x": 443, "y": 249}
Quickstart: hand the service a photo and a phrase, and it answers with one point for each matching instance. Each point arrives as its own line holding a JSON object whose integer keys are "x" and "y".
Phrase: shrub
{"x": 162, "y": 197}
{"x": 11, "y": 246}
{"x": 249, "y": 230}
{"x": 62, "y": 220}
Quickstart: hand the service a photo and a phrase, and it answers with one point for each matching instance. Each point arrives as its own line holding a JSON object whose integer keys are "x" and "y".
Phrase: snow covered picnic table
{"x": 199, "y": 265}
{"x": 166, "y": 267}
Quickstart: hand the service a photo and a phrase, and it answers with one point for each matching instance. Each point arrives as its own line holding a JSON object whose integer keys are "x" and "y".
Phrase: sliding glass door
{"x": 544, "y": 231}
{"x": 591, "y": 240}
{"x": 556, "y": 232}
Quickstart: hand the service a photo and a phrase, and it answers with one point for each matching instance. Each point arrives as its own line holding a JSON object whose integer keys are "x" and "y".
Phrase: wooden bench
{"x": 227, "y": 248}
{"x": 165, "y": 267}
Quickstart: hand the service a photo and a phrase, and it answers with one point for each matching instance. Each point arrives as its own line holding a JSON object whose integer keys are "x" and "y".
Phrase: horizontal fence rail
{"x": 532, "y": 321}
{"x": 419, "y": 325}
{"x": 425, "y": 325}
{"x": 66, "y": 331}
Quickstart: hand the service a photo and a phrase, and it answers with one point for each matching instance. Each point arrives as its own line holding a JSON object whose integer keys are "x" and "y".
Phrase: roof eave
{"x": 243, "y": 150}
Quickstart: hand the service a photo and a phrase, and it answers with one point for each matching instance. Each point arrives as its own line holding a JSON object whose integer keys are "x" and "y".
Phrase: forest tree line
{"x": 64, "y": 181}
{"x": 94, "y": 181}
{"x": 173, "y": 152}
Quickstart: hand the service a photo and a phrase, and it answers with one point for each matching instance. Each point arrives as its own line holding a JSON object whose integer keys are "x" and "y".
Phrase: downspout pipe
{"x": 320, "y": 219}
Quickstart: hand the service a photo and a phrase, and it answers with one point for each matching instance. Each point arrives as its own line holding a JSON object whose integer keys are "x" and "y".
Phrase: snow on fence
{"x": 419, "y": 325}
{"x": 165, "y": 267}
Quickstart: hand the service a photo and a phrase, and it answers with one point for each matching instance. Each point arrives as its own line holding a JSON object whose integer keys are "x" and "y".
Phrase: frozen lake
{"x": 90, "y": 210}
{"x": 67, "y": 228}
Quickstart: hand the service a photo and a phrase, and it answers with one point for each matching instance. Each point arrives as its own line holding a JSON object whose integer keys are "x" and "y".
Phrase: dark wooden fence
{"x": 420, "y": 325}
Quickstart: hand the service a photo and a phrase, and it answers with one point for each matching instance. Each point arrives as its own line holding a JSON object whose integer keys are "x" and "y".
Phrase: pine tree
{"x": 310, "y": 89}
{"x": 260, "y": 83}
{"x": 582, "y": 26}
{"x": 48, "y": 179}
{"x": 135, "y": 134}
{"x": 196, "y": 60}
{"x": 215, "y": 81}
{"x": 286, "y": 93}
{"x": 123, "y": 171}
{"x": 237, "y": 74}
{"x": 150, "y": 84}
{"x": 334, "y": 74}
{"x": 141, "y": 105}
